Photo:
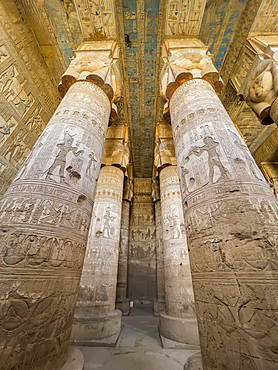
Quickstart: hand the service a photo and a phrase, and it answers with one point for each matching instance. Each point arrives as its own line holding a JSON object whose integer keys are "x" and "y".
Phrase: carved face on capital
{"x": 191, "y": 61}
{"x": 261, "y": 87}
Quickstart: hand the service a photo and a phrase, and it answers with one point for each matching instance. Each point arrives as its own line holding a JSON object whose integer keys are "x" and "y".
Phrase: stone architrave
{"x": 95, "y": 315}
{"x": 159, "y": 304}
{"x": 231, "y": 226}
{"x": 178, "y": 322}
{"x": 122, "y": 303}
{"x": 45, "y": 218}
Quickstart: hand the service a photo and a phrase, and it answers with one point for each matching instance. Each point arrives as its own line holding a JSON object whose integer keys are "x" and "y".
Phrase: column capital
{"x": 257, "y": 78}
{"x": 97, "y": 62}
{"x": 116, "y": 148}
{"x": 164, "y": 151}
{"x": 185, "y": 60}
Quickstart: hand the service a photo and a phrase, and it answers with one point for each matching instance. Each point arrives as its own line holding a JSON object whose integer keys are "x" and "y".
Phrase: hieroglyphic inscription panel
{"x": 28, "y": 97}
{"x": 231, "y": 225}
{"x": 142, "y": 258}
{"x": 159, "y": 254}
{"x": 123, "y": 252}
{"x": 45, "y": 218}
{"x": 184, "y": 17}
{"x": 96, "y": 18}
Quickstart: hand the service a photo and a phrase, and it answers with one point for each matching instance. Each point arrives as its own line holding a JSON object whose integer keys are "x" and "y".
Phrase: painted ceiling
{"x": 140, "y": 27}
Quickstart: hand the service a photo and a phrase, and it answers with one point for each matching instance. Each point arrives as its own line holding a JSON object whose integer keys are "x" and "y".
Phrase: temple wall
{"x": 142, "y": 256}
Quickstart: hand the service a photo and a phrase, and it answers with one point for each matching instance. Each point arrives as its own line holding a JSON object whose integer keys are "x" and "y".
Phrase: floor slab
{"x": 138, "y": 348}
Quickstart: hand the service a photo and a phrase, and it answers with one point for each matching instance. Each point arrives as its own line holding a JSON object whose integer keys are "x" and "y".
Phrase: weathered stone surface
{"x": 231, "y": 226}
{"x": 142, "y": 258}
{"x": 179, "y": 299}
{"x": 97, "y": 292}
{"x": 75, "y": 360}
{"x": 159, "y": 304}
{"x": 178, "y": 332}
{"x": 27, "y": 101}
{"x": 121, "y": 295}
{"x": 45, "y": 217}
{"x": 194, "y": 362}
{"x": 88, "y": 329}
{"x": 178, "y": 283}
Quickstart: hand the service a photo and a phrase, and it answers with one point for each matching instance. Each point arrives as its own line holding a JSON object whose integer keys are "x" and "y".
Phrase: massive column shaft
{"x": 231, "y": 226}
{"x": 95, "y": 315}
{"x": 179, "y": 323}
{"x": 122, "y": 303}
{"x": 45, "y": 217}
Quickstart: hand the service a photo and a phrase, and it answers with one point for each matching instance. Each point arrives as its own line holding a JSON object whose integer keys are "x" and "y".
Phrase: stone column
{"x": 231, "y": 226}
{"x": 95, "y": 315}
{"x": 178, "y": 322}
{"x": 164, "y": 155}
{"x": 159, "y": 304}
{"x": 122, "y": 303}
{"x": 45, "y": 217}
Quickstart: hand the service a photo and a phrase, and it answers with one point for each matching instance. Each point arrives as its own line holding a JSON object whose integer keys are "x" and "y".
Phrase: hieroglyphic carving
{"x": 142, "y": 258}
{"x": 97, "y": 292}
{"x": 45, "y": 217}
{"x": 184, "y": 17}
{"x": 231, "y": 221}
{"x": 12, "y": 89}
{"x": 121, "y": 294}
{"x": 97, "y": 19}
{"x": 179, "y": 301}
{"x": 159, "y": 304}
{"x": 26, "y": 91}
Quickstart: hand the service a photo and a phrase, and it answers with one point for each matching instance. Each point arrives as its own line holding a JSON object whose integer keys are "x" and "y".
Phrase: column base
{"x": 124, "y": 306}
{"x": 158, "y": 307}
{"x": 183, "y": 331}
{"x": 75, "y": 360}
{"x": 194, "y": 362}
{"x": 96, "y": 330}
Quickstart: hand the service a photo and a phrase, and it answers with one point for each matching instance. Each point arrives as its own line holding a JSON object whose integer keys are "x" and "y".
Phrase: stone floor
{"x": 138, "y": 348}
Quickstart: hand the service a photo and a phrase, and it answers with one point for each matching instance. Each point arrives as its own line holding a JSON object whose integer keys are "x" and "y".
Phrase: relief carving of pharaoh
{"x": 261, "y": 91}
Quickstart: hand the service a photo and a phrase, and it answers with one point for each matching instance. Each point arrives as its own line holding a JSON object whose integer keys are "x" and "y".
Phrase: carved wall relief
{"x": 231, "y": 225}
{"x": 159, "y": 305}
{"x": 142, "y": 257}
{"x": 123, "y": 255}
{"x": 28, "y": 92}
